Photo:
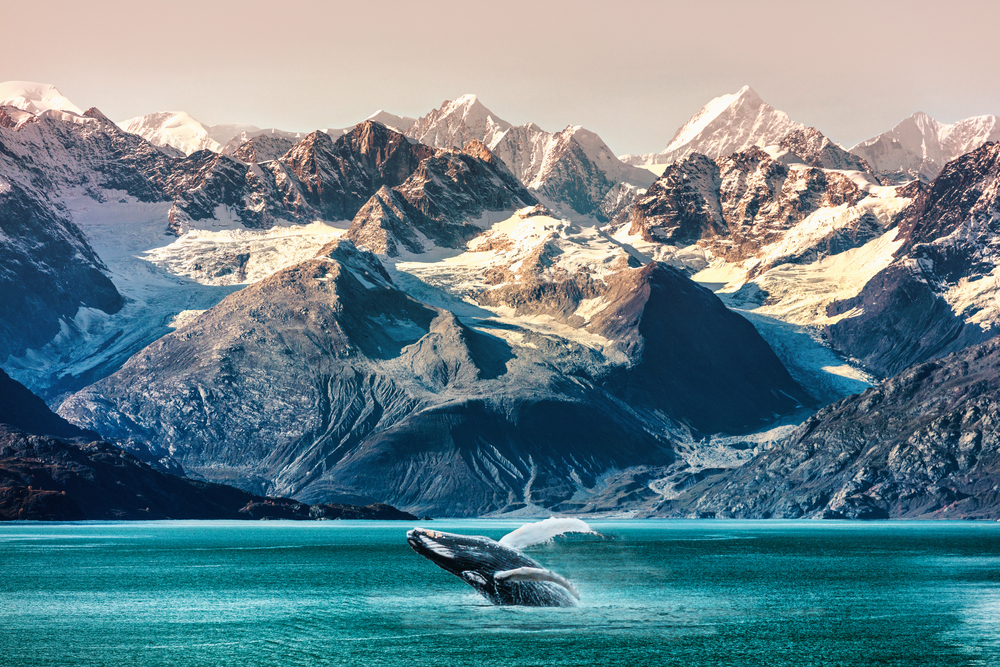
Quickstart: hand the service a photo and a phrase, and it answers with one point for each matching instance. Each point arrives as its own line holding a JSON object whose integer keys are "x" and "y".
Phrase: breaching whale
{"x": 497, "y": 569}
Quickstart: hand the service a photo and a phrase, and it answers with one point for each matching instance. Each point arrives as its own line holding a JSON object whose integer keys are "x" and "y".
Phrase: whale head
{"x": 462, "y": 553}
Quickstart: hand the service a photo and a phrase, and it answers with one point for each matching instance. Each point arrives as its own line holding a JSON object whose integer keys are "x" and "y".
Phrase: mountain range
{"x": 461, "y": 316}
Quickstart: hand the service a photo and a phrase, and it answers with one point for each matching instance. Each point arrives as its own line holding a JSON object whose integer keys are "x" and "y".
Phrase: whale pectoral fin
{"x": 474, "y": 577}
{"x": 537, "y": 574}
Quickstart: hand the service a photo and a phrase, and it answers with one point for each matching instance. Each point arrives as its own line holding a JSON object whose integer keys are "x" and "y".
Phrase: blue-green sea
{"x": 353, "y": 593}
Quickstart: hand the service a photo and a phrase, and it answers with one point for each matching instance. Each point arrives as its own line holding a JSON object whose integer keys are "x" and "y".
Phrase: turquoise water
{"x": 353, "y": 593}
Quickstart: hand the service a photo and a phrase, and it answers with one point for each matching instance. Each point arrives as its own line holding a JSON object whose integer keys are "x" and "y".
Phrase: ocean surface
{"x": 353, "y": 593}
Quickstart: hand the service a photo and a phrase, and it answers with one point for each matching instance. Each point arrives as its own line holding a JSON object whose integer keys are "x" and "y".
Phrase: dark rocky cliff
{"x": 924, "y": 444}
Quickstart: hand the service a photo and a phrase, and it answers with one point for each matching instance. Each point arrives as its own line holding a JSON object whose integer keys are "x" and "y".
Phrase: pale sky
{"x": 630, "y": 70}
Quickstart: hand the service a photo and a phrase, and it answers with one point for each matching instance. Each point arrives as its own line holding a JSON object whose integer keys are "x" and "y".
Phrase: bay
{"x": 353, "y": 593}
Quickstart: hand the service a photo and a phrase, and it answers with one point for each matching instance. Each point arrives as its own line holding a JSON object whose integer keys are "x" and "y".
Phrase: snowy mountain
{"x": 327, "y": 378}
{"x": 225, "y": 305}
{"x": 919, "y": 147}
{"x": 35, "y": 98}
{"x": 573, "y": 171}
{"x": 746, "y": 205}
{"x": 726, "y": 125}
{"x": 780, "y": 238}
{"x": 178, "y": 130}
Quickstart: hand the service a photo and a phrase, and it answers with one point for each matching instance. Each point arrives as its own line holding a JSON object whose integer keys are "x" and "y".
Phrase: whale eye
{"x": 474, "y": 577}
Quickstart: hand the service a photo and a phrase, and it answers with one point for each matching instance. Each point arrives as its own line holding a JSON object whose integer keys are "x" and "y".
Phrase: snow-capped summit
{"x": 919, "y": 146}
{"x": 726, "y": 125}
{"x": 456, "y": 123}
{"x": 34, "y": 97}
{"x": 180, "y": 131}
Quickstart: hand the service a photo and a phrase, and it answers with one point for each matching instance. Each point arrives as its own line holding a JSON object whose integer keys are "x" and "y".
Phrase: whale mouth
{"x": 424, "y": 541}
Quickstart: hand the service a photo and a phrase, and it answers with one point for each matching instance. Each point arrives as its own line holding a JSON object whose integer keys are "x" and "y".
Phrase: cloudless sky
{"x": 633, "y": 71}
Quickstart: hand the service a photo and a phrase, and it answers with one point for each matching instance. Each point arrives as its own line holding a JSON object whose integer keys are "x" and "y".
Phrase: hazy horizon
{"x": 633, "y": 73}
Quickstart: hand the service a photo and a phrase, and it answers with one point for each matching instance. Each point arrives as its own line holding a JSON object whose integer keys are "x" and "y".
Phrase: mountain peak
{"x": 467, "y": 100}
{"x": 399, "y": 123}
{"x": 35, "y": 97}
{"x": 727, "y": 124}
{"x": 920, "y": 146}
{"x": 457, "y": 122}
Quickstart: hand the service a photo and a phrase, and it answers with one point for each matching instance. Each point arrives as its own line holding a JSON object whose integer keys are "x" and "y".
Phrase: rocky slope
{"x": 44, "y": 478}
{"x": 23, "y": 411}
{"x": 919, "y": 146}
{"x": 924, "y": 444}
{"x": 444, "y": 202}
{"x": 325, "y": 379}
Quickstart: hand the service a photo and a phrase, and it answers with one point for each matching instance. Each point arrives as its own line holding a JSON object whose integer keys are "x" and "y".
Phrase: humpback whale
{"x": 497, "y": 569}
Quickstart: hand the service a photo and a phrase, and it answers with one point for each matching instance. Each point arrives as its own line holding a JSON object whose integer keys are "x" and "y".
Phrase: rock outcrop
{"x": 736, "y": 206}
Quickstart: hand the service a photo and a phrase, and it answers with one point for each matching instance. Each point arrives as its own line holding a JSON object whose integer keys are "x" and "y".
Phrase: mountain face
{"x": 85, "y": 154}
{"x": 317, "y": 178}
{"x": 325, "y": 379}
{"x": 726, "y": 125}
{"x": 923, "y": 444}
{"x": 48, "y": 271}
{"x": 816, "y": 150}
{"x": 573, "y": 169}
{"x": 940, "y": 293}
{"x": 919, "y": 147}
